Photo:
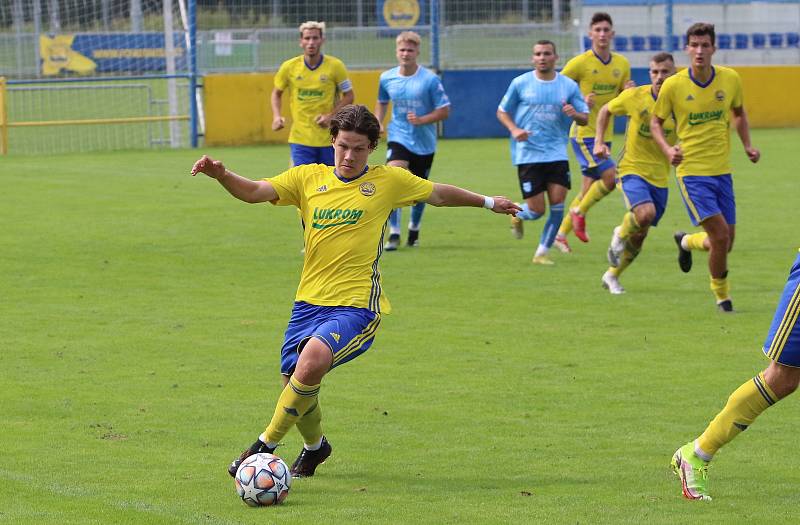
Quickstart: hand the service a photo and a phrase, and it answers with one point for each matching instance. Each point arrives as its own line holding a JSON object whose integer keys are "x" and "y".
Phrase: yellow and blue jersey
{"x": 312, "y": 92}
{"x": 345, "y": 222}
{"x": 702, "y": 116}
{"x": 605, "y": 79}
{"x": 641, "y": 155}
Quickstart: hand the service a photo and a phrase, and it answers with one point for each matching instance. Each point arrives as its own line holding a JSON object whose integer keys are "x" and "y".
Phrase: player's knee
{"x": 314, "y": 362}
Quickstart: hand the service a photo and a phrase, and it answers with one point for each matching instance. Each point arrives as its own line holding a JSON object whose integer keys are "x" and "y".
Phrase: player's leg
{"x": 557, "y": 177}
{"x": 583, "y": 155}
{"x": 420, "y": 166}
{"x": 596, "y": 192}
{"x": 533, "y": 204}
{"x": 747, "y": 402}
{"x": 396, "y": 155}
{"x": 719, "y": 239}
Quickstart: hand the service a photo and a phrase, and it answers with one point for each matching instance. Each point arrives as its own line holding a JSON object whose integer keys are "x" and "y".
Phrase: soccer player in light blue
{"x": 418, "y": 102}
{"x": 538, "y": 110}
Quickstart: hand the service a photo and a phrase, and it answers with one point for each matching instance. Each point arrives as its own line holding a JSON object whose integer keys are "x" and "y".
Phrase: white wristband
{"x": 488, "y": 202}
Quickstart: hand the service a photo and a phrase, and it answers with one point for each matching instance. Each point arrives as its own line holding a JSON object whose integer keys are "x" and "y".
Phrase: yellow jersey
{"x": 345, "y": 222}
{"x": 605, "y": 79}
{"x": 702, "y": 114}
{"x": 312, "y": 92}
{"x": 641, "y": 155}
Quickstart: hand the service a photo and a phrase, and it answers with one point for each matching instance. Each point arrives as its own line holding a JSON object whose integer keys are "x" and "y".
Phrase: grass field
{"x": 142, "y": 312}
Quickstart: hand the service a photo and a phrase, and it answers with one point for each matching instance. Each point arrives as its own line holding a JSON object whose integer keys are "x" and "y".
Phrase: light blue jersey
{"x": 421, "y": 93}
{"x": 536, "y": 106}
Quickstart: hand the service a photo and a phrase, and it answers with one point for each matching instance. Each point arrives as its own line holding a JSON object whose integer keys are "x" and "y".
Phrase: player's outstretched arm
{"x": 743, "y": 129}
{"x": 246, "y": 190}
{"x": 449, "y": 195}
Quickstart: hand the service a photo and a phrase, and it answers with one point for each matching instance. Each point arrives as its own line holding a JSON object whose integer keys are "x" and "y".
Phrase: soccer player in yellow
{"x": 702, "y": 98}
{"x": 746, "y": 403}
{"x": 318, "y": 86}
{"x": 601, "y": 75}
{"x": 643, "y": 169}
{"x": 340, "y": 299}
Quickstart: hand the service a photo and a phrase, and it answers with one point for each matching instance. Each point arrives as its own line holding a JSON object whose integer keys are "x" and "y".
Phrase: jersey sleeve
{"x": 663, "y": 107}
{"x": 288, "y": 186}
{"x": 572, "y": 68}
{"x": 576, "y": 98}
{"x": 437, "y": 94}
{"x": 409, "y": 188}
{"x": 343, "y": 83}
{"x": 621, "y": 104}
{"x": 282, "y": 77}
{"x": 510, "y": 100}
{"x": 383, "y": 93}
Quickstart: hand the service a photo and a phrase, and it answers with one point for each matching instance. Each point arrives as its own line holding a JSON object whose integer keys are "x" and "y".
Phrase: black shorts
{"x": 534, "y": 178}
{"x": 419, "y": 165}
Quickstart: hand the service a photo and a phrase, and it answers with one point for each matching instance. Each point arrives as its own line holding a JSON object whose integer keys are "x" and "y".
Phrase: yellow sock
{"x": 310, "y": 425}
{"x": 721, "y": 288}
{"x": 594, "y": 195}
{"x": 743, "y": 407}
{"x": 628, "y": 226}
{"x": 694, "y": 241}
{"x": 628, "y": 255}
{"x": 566, "y": 222}
{"x": 296, "y": 399}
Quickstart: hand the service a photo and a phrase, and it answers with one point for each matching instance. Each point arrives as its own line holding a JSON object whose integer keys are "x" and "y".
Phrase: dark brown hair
{"x": 547, "y": 43}
{"x": 600, "y": 17}
{"x": 702, "y": 29}
{"x": 359, "y": 119}
{"x": 661, "y": 57}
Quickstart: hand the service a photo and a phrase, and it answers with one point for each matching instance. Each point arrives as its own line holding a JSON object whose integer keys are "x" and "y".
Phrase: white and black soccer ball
{"x": 262, "y": 480}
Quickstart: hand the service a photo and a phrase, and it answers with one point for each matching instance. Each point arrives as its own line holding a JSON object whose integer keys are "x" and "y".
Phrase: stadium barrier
{"x": 238, "y": 105}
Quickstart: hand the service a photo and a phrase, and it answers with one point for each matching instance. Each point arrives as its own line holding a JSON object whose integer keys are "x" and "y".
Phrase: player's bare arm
{"x": 380, "y": 114}
{"x": 673, "y": 153}
{"x": 743, "y": 129}
{"x": 434, "y": 116}
{"x": 580, "y": 119}
{"x": 324, "y": 120}
{"x": 275, "y": 100}
{"x": 600, "y": 147}
{"x": 449, "y": 195}
{"x": 518, "y": 134}
{"x": 251, "y": 191}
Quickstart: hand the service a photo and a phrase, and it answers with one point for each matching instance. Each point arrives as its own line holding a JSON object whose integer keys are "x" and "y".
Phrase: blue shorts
{"x": 591, "y": 166}
{"x": 636, "y": 191}
{"x": 311, "y": 155}
{"x": 783, "y": 341}
{"x": 706, "y": 196}
{"x": 348, "y": 331}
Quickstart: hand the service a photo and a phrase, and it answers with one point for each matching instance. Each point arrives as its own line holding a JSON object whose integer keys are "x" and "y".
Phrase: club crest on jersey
{"x": 690, "y": 98}
{"x": 323, "y": 78}
{"x": 616, "y": 73}
{"x": 367, "y": 189}
{"x": 719, "y": 95}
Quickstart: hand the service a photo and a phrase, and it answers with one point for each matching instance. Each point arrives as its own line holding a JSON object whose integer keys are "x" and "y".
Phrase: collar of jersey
{"x": 347, "y": 181}
{"x": 321, "y": 59}
{"x": 610, "y": 57}
{"x": 710, "y": 80}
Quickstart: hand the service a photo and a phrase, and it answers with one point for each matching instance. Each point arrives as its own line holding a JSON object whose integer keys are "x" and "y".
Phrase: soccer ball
{"x": 263, "y": 480}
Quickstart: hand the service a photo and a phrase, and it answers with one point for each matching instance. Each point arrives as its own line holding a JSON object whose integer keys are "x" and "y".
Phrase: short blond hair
{"x": 313, "y": 24}
{"x": 409, "y": 36}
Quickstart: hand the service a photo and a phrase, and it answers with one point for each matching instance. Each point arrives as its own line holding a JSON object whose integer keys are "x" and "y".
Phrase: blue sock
{"x": 551, "y": 226}
{"x": 394, "y": 220}
{"x": 416, "y": 215}
{"x": 528, "y": 214}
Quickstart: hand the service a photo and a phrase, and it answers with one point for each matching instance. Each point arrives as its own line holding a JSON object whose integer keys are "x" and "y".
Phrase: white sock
{"x": 541, "y": 250}
{"x": 263, "y": 439}
{"x": 683, "y": 242}
{"x": 315, "y": 446}
{"x": 700, "y": 453}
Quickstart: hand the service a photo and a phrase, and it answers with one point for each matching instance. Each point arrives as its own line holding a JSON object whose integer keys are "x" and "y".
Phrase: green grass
{"x": 142, "y": 312}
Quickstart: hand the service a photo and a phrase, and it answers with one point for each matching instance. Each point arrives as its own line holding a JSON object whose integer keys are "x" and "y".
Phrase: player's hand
{"x": 505, "y": 206}
{"x": 323, "y": 121}
{"x": 568, "y": 110}
{"x": 520, "y": 135}
{"x": 413, "y": 118}
{"x": 601, "y": 150}
{"x": 629, "y": 84}
{"x": 675, "y": 155}
{"x": 278, "y": 123}
{"x": 589, "y": 99}
{"x": 753, "y": 154}
{"x": 213, "y": 168}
